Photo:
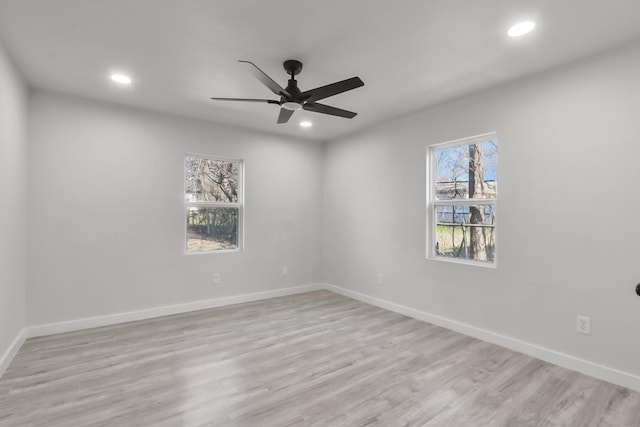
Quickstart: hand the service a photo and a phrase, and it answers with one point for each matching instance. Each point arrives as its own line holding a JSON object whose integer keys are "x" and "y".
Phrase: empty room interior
{"x": 335, "y": 213}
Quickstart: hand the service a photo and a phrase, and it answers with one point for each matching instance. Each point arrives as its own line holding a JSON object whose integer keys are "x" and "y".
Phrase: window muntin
{"x": 462, "y": 200}
{"x": 213, "y": 204}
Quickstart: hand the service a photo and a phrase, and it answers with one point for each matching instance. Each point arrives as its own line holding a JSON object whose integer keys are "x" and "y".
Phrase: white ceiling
{"x": 411, "y": 54}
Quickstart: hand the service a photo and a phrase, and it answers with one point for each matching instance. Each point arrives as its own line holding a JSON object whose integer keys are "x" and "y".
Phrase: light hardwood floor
{"x": 316, "y": 359}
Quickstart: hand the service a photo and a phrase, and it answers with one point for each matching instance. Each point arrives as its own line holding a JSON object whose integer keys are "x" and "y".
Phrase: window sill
{"x": 219, "y": 251}
{"x": 492, "y": 265}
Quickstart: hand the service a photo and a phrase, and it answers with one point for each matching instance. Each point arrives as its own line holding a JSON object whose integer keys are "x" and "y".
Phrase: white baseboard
{"x": 8, "y": 355}
{"x": 112, "y": 319}
{"x": 586, "y": 367}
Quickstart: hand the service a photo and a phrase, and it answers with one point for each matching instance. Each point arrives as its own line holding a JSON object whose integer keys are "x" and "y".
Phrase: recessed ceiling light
{"x": 121, "y": 78}
{"x": 521, "y": 28}
{"x": 306, "y": 124}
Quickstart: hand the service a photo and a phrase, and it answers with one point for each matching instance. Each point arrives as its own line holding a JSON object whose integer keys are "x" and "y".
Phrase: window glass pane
{"x": 467, "y": 171}
{"x": 208, "y": 180}
{"x": 465, "y": 232}
{"x": 212, "y": 229}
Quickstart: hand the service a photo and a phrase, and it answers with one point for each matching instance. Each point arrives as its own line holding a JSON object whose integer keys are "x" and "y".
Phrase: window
{"x": 213, "y": 204}
{"x": 462, "y": 191}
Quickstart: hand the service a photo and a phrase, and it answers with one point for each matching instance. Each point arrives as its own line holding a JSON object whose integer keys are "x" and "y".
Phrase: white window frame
{"x": 239, "y": 204}
{"x": 433, "y": 203}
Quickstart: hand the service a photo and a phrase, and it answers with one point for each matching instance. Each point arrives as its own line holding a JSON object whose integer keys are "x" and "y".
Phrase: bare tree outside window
{"x": 463, "y": 199}
{"x": 213, "y": 203}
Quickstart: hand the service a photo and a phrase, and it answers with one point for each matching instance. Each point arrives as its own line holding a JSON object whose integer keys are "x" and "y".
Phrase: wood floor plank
{"x": 315, "y": 359}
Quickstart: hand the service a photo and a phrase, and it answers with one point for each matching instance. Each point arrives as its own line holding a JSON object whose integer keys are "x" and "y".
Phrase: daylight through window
{"x": 463, "y": 189}
{"x": 213, "y": 204}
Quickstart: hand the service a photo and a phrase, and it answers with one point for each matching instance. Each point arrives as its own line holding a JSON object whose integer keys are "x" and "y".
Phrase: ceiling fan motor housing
{"x": 292, "y": 89}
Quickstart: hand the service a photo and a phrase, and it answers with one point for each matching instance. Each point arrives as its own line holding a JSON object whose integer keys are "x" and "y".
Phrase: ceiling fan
{"x": 292, "y": 99}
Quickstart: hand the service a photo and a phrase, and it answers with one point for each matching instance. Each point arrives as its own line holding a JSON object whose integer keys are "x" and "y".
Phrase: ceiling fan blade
{"x": 332, "y": 89}
{"x": 268, "y": 101}
{"x": 327, "y": 109}
{"x": 266, "y": 80}
{"x": 284, "y": 115}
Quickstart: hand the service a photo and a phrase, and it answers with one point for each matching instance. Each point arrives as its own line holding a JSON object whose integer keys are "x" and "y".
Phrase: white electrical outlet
{"x": 216, "y": 278}
{"x": 285, "y": 270}
{"x": 380, "y": 279}
{"x": 583, "y": 325}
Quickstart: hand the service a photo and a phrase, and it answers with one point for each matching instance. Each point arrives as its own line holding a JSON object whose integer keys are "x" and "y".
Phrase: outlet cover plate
{"x": 583, "y": 325}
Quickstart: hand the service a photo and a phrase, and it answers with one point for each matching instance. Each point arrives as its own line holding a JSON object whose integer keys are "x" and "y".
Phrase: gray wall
{"x": 13, "y": 201}
{"x": 107, "y": 222}
{"x": 569, "y": 154}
